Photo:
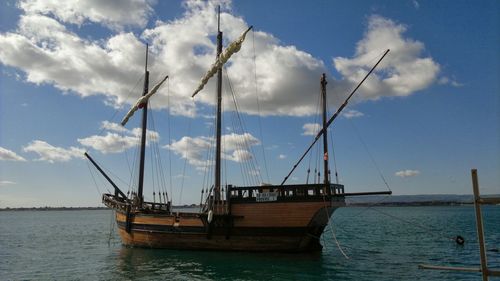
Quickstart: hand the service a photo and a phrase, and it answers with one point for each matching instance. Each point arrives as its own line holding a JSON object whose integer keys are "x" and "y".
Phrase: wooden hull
{"x": 274, "y": 226}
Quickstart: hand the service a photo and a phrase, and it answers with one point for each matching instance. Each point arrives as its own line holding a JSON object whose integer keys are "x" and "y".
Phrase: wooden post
{"x": 480, "y": 234}
{"x": 479, "y": 222}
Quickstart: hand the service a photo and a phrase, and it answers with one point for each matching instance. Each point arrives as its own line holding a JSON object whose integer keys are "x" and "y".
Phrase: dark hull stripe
{"x": 234, "y": 231}
{"x": 163, "y": 228}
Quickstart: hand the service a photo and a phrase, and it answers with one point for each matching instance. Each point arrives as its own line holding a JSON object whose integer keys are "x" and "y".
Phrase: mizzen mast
{"x": 333, "y": 117}
{"x": 325, "y": 135}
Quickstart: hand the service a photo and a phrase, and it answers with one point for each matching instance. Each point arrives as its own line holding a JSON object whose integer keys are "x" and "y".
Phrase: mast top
{"x": 146, "y": 64}
{"x": 218, "y": 18}
{"x": 323, "y": 79}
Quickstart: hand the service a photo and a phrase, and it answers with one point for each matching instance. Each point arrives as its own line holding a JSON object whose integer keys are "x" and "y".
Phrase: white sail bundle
{"x": 142, "y": 101}
{"x": 234, "y": 47}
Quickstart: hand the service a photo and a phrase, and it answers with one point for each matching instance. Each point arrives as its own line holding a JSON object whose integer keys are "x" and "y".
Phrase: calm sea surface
{"x": 84, "y": 245}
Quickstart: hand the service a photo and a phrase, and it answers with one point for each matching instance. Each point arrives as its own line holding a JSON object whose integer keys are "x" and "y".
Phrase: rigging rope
{"x": 185, "y": 163}
{"x": 251, "y": 165}
{"x": 334, "y": 159}
{"x": 370, "y": 155}
{"x": 169, "y": 140}
{"x": 314, "y": 122}
{"x": 93, "y": 178}
{"x": 116, "y": 111}
{"x": 258, "y": 106}
{"x": 160, "y": 176}
{"x": 207, "y": 179}
{"x": 151, "y": 162}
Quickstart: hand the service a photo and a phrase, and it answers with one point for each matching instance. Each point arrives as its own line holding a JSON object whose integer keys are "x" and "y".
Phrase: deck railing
{"x": 284, "y": 192}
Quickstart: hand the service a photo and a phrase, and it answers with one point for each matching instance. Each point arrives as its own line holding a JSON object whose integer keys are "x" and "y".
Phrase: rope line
{"x": 169, "y": 140}
{"x": 258, "y": 106}
{"x": 441, "y": 233}
{"x": 370, "y": 155}
{"x": 116, "y": 111}
{"x": 243, "y": 142}
{"x": 185, "y": 164}
{"x": 331, "y": 229}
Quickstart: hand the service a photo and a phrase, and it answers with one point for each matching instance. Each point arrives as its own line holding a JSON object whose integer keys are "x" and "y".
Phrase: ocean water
{"x": 383, "y": 243}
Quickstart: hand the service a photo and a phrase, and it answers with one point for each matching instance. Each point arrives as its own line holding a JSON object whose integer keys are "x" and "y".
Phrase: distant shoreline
{"x": 411, "y": 204}
{"x": 385, "y": 204}
{"x": 73, "y": 208}
{"x": 358, "y": 201}
{"x": 52, "y": 208}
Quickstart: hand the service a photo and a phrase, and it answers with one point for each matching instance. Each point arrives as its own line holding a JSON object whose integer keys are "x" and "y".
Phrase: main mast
{"x": 143, "y": 135}
{"x": 222, "y": 58}
{"x": 219, "y": 115}
{"x": 326, "y": 180}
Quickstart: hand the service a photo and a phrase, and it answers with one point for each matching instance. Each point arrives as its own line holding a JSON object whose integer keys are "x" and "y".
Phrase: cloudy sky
{"x": 71, "y": 70}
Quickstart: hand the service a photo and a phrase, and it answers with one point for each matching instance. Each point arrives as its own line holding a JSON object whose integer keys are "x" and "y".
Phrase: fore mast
{"x": 140, "y": 196}
{"x": 217, "y": 187}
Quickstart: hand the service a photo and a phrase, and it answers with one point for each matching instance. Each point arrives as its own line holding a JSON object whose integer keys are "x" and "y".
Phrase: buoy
{"x": 460, "y": 240}
{"x": 210, "y": 216}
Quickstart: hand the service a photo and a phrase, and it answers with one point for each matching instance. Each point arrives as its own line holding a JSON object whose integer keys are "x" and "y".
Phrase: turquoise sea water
{"x": 78, "y": 245}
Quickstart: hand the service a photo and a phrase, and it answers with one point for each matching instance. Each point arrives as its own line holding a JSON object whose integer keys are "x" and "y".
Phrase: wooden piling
{"x": 479, "y": 223}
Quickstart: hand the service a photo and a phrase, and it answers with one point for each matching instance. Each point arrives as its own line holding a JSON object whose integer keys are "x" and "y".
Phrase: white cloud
{"x": 110, "y": 126}
{"x": 448, "y": 81}
{"x": 416, "y": 4}
{"x": 407, "y": 173}
{"x": 234, "y": 148}
{"x": 150, "y": 135}
{"x": 110, "y": 143}
{"x": 51, "y": 154}
{"x": 5, "y": 183}
{"x": 192, "y": 149}
{"x": 9, "y": 155}
{"x": 311, "y": 129}
{"x": 281, "y": 156}
{"x": 403, "y": 72}
{"x": 115, "y": 143}
{"x": 254, "y": 172}
{"x": 48, "y": 52}
{"x": 351, "y": 113}
{"x": 232, "y": 142}
{"x": 271, "y": 147}
{"x": 114, "y": 14}
{"x": 239, "y": 155}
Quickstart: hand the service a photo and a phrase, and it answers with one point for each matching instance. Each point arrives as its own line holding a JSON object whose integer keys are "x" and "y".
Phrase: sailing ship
{"x": 277, "y": 218}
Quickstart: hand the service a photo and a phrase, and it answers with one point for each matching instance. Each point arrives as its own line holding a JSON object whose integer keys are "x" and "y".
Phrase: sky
{"x": 70, "y": 71}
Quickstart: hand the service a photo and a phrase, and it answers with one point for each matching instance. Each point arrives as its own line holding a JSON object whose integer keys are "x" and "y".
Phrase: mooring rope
{"x": 458, "y": 239}
{"x": 111, "y": 228}
{"x": 331, "y": 229}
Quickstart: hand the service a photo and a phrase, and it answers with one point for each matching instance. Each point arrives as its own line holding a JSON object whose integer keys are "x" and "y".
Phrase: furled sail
{"x": 142, "y": 101}
{"x": 221, "y": 60}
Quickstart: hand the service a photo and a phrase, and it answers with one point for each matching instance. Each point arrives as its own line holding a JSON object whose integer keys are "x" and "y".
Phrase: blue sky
{"x": 429, "y": 114}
